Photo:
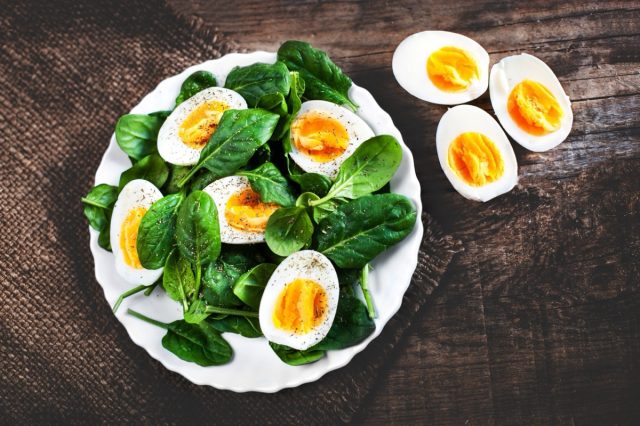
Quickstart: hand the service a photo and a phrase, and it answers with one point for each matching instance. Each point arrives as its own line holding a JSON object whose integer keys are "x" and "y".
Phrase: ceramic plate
{"x": 255, "y": 367}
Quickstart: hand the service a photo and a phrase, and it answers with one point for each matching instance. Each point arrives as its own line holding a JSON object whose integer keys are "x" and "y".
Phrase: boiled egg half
{"x": 441, "y": 67}
{"x": 188, "y": 128}
{"x": 243, "y": 216}
{"x": 530, "y": 102}
{"x": 133, "y": 202}
{"x": 475, "y": 154}
{"x": 324, "y": 135}
{"x": 299, "y": 302}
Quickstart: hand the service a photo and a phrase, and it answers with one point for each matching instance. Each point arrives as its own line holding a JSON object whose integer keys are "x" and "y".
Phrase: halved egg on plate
{"x": 441, "y": 67}
{"x": 242, "y": 215}
{"x": 530, "y": 102}
{"x": 189, "y": 127}
{"x": 299, "y": 303}
{"x": 324, "y": 135}
{"x": 475, "y": 154}
{"x": 133, "y": 202}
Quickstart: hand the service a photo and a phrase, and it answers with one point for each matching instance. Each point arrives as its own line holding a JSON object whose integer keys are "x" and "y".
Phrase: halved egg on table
{"x": 133, "y": 202}
{"x": 475, "y": 154}
{"x": 242, "y": 215}
{"x": 441, "y": 67}
{"x": 300, "y": 300}
{"x": 530, "y": 102}
{"x": 188, "y": 128}
{"x": 324, "y": 135}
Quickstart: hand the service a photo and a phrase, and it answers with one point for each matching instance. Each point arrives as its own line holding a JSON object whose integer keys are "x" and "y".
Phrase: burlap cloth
{"x": 67, "y": 71}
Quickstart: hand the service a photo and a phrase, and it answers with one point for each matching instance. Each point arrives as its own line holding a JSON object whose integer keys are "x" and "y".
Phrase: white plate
{"x": 255, "y": 367}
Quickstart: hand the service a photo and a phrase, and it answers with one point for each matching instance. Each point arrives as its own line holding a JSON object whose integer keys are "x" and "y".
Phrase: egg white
{"x": 170, "y": 146}
{"x": 467, "y": 118}
{"x": 357, "y": 129}
{"x": 307, "y": 264}
{"x": 410, "y": 66}
{"x": 221, "y": 190}
{"x": 137, "y": 193}
{"x": 505, "y": 75}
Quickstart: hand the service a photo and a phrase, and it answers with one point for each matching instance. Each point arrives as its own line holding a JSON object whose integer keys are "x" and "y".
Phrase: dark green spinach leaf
{"x": 198, "y": 230}
{"x": 358, "y": 231}
{"x": 137, "y": 134}
{"x": 289, "y": 229}
{"x": 244, "y": 326}
{"x": 218, "y": 281}
{"x": 156, "y": 233}
{"x": 255, "y": 81}
{"x": 324, "y": 79}
{"x": 176, "y": 174}
{"x": 272, "y": 186}
{"x": 295, "y": 357}
{"x": 250, "y": 285}
{"x": 196, "y": 82}
{"x": 98, "y": 204}
{"x": 151, "y": 168}
{"x": 178, "y": 279}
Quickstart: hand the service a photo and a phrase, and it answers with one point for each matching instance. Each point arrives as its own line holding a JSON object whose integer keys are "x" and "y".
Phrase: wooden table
{"x": 538, "y": 320}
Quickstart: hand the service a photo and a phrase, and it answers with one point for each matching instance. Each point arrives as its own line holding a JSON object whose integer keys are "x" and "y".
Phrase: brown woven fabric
{"x": 67, "y": 71}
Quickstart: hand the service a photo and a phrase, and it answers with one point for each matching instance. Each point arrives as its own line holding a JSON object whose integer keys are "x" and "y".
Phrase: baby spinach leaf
{"x": 104, "y": 239}
{"x": 197, "y": 312}
{"x": 151, "y": 168}
{"x": 274, "y": 102}
{"x": 196, "y": 82}
{"x": 163, "y": 115}
{"x": 199, "y": 343}
{"x": 272, "y": 186}
{"x": 244, "y": 326}
{"x": 293, "y": 103}
{"x": 358, "y": 231}
{"x": 351, "y": 325}
{"x": 323, "y": 210}
{"x": 198, "y": 230}
{"x": 295, "y": 357}
{"x": 238, "y": 135}
{"x": 137, "y": 134}
{"x": 288, "y": 230}
{"x": 368, "y": 169}
{"x": 156, "y": 232}
{"x": 323, "y": 78}
{"x": 313, "y": 182}
{"x": 178, "y": 279}
{"x": 218, "y": 282}
{"x": 98, "y": 204}
{"x": 176, "y": 174}
{"x": 250, "y": 285}
{"x": 255, "y": 81}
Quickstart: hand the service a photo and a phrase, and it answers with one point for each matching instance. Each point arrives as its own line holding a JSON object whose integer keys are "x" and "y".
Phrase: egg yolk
{"x": 200, "y": 124}
{"x": 300, "y": 307}
{"x": 452, "y": 69}
{"x": 129, "y": 236}
{"x": 534, "y": 108}
{"x": 246, "y": 212}
{"x": 319, "y": 136}
{"x": 475, "y": 158}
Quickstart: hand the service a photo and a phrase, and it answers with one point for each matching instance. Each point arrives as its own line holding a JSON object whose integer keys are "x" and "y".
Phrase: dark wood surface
{"x": 538, "y": 320}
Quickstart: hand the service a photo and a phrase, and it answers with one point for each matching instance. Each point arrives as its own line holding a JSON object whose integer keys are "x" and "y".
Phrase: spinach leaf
{"x": 244, "y": 326}
{"x": 238, "y": 135}
{"x": 137, "y": 134}
{"x": 98, "y": 204}
{"x": 323, "y": 210}
{"x": 218, "y": 282}
{"x": 295, "y": 357}
{"x": 197, "y": 312}
{"x": 272, "y": 186}
{"x": 199, "y": 343}
{"x": 151, "y": 168}
{"x": 305, "y": 198}
{"x": 196, "y": 82}
{"x": 274, "y": 102}
{"x": 368, "y": 169}
{"x": 313, "y": 182}
{"x": 255, "y": 81}
{"x": 288, "y": 230}
{"x": 104, "y": 239}
{"x": 358, "y": 231}
{"x": 176, "y": 174}
{"x": 163, "y": 115}
{"x": 156, "y": 232}
{"x": 197, "y": 229}
{"x": 178, "y": 279}
{"x": 351, "y": 325}
{"x": 250, "y": 285}
{"x": 293, "y": 104}
{"x": 324, "y": 79}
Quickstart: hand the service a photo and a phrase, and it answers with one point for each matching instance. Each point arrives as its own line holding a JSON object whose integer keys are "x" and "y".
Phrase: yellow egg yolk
{"x": 200, "y": 124}
{"x": 245, "y": 211}
{"x": 452, "y": 69}
{"x": 534, "y": 108}
{"x": 319, "y": 136}
{"x": 300, "y": 307}
{"x": 475, "y": 158}
{"x": 129, "y": 236}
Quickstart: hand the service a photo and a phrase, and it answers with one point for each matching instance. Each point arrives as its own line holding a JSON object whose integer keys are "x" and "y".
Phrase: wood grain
{"x": 539, "y": 319}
